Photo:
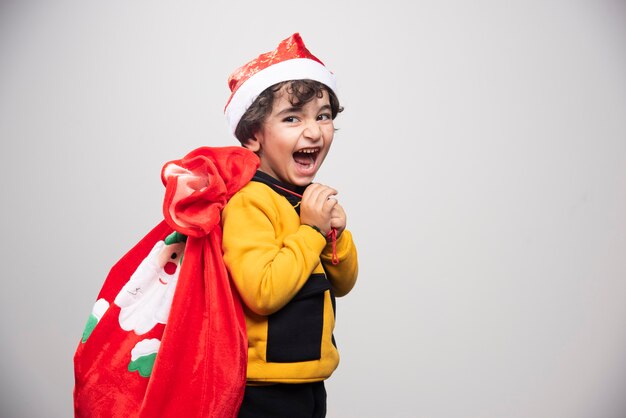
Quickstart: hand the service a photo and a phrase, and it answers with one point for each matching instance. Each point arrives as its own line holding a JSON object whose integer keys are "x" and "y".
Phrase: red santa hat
{"x": 291, "y": 60}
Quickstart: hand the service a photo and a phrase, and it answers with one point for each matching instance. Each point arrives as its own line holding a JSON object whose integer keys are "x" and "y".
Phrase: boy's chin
{"x": 301, "y": 182}
{"x": 303, "y": 178}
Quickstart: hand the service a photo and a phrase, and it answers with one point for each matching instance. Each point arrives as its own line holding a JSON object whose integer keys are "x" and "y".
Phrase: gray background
{"x": 481, "y": 159}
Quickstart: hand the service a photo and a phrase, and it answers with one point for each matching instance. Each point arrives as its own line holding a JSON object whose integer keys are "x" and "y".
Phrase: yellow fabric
{"x": 270, "y": 256}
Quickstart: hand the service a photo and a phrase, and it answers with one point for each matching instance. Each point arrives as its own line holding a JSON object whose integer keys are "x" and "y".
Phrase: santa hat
{"x": 291, "y": 60}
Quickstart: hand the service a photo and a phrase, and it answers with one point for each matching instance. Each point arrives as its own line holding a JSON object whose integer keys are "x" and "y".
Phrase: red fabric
{"x": 290, "y": 48}
{"x": 200, "y": 367}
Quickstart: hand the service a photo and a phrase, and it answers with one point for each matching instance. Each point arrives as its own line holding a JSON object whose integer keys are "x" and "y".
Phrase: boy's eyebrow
{"x": 296, "y": 109}
{"x": 292, "y": 109}
{"x": 325, "y": 107}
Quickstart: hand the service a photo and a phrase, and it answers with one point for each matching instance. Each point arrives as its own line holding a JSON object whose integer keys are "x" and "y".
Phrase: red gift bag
{"x": 167, "y": 336}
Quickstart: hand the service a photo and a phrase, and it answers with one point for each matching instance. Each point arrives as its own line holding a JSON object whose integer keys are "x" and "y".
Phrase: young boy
{"x": 285, "y": 240}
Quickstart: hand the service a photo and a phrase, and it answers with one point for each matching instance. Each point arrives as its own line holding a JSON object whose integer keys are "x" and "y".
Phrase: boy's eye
{"x": 324, "y": 116}
{"x": 290, "y": 119}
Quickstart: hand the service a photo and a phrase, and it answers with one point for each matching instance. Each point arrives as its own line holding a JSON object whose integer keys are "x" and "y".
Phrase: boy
{"x": 285, "y": 240}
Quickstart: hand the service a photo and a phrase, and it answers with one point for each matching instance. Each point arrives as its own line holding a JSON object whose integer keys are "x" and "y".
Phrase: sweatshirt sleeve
{"x": 268, "y": 273}
{"x": 342, "y": 275}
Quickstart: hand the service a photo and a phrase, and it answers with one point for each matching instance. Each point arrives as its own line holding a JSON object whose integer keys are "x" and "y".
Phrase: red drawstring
{"x": 332, "y": 234}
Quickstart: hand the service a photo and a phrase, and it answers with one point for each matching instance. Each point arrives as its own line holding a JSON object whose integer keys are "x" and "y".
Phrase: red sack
{"x": 165, "y": 338}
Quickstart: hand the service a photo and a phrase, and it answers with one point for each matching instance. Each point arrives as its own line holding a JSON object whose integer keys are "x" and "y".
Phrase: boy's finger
{"x": 326, "y": 196}
{"x": 338, "y": 210}
{"x": 312, "y": 191}
{"x": 337, "y": 223}
{"x": 329, "y": 204}
{"x": 327, "y": 191}
{"x": 317, "y": 195}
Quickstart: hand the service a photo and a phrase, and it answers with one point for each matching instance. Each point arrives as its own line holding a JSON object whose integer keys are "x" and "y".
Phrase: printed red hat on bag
{"x": 291, "y": 60}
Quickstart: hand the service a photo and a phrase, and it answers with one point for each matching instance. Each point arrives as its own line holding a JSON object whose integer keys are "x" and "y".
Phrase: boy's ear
{"x": 253, "y": 144}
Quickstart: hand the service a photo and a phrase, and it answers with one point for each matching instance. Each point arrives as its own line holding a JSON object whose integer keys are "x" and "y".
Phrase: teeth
{"x": 308, "y": 151}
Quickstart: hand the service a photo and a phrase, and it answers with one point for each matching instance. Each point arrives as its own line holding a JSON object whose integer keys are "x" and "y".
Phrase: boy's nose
{"x": 312, "y": 130}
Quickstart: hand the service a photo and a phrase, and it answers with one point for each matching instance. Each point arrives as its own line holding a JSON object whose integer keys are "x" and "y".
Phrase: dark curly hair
{"x": 300, "y": 93}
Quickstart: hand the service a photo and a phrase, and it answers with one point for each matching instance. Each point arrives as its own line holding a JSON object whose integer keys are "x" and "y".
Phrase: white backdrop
{"x": 481, "y": 159}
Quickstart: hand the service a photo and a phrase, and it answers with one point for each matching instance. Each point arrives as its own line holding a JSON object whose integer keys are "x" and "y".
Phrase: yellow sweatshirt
{"x": 284, "y": 274}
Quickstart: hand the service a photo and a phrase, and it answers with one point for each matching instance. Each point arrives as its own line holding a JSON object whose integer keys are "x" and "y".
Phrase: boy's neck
{"x": 267, "y": 177}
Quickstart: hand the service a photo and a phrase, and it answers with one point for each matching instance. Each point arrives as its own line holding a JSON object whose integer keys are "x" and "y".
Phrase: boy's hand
{"x": 338, "y": 219}
{"x": 316, "y": 208}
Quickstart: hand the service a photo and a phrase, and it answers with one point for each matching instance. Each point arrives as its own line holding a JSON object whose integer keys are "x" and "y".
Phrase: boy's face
{"x": 294, "y": 141}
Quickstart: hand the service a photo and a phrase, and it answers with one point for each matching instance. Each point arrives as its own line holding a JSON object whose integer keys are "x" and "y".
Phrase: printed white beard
{"x": 145, "y": 300}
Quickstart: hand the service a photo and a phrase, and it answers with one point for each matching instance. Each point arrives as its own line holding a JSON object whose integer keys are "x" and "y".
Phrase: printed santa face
{"x": 146, "y": 298}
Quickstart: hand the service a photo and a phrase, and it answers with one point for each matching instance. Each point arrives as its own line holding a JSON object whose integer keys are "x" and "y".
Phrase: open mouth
{"x": 306, "y": 157}
{"x": 170, "y": 268}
